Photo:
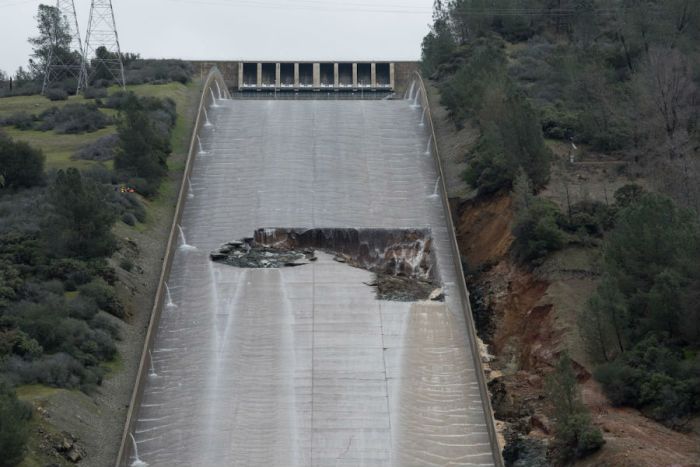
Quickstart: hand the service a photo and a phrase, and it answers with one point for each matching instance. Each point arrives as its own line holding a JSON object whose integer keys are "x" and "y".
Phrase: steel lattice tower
{"x": 59, "y": 67}
{"x": 102, "y": 32}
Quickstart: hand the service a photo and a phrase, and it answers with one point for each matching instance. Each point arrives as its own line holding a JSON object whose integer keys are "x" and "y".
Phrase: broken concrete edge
{"x": 402, "y": 260}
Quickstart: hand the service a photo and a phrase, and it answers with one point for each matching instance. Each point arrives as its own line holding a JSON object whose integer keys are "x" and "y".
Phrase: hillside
{"x": 557, "y": 184}
{"x": 69, "y": 423}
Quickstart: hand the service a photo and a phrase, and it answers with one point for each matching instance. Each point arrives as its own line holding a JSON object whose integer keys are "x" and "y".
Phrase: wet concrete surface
{"x": 304, "y": 366}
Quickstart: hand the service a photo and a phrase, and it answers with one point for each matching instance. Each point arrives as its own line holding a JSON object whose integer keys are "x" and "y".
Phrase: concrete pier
{"x": 316, "y": 76}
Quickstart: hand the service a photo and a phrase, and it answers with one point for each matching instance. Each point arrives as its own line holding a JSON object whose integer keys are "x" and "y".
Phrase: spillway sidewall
{"x": 126, "y": 448}
{"x": 461, "y": 281}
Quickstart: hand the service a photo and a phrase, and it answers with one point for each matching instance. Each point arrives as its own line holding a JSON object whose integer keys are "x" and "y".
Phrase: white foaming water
{"x": 415, "y": 104}
{"x": 429, "y": 146}
{"x": 213, "y": 98}
{"x": 201, "y": 149}
{"x": 190, "y": 191}
{"x": 206, "y": 116}
{"x": 152, "y": 372}
{"x": 218, "y": 89}
{"x": 183, "y": 241}
{"x": 422, "y": 118}
{"x": 169, "y": 303}
{"x": 436, "y": 190}
{"x": 410, "y": 91}
{"x": 137, "y": 462}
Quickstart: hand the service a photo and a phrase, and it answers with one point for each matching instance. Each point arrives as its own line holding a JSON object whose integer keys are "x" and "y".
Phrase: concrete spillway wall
{"x": 462, "y": 283}
{"x": 293, "y": 200}
{"x": 214, "y": 85}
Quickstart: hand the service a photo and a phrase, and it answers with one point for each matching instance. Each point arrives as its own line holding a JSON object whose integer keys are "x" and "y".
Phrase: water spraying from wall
{"x": 183, "y": 241}
{"x": 206, "y": 117}
{"x": 137, "y": 462}
{"x": 416, "y": 102}
{"x": 412, "y": 88}
{"x": 301, "y": 366}
{"x": 436, "y": 190}
{"x": 213, "y": 99}
{"x": 152, "y": 370}
{"x": 169, "y": 298}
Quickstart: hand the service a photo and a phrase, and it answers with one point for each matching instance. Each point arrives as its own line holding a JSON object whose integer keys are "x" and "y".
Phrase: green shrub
{"x": 628, "y": 194}
{"x": 126, "y": 264}
{"x": 511, "y": 140}
{"x": 129, "y": 219}
{"x": 56, "y": 94}
{"x": 95, "y": 93}
{"x": 536, "y": 231}
{"x": 80, "y": 223}
{"x": 484, "y": 69}
{"x": 20, "y": 164}
{"x": 104, "y": 296}
{"x": 20, "y": 120}
{"x": 100, "y": 150}
{"x": 575, "y": 437}
{"x": 14, "y": 427}
{"x": 73, "y": 119}
{"x": 593, "y": 217}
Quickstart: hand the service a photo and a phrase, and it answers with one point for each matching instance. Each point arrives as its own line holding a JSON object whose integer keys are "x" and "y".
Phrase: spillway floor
{"x": 304, "y": 366}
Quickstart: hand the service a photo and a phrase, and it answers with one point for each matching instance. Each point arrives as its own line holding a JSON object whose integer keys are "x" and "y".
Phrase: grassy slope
{"x": 58, "y": 150}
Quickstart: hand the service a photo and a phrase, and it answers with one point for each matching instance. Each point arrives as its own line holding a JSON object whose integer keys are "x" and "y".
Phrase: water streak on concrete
{"x": 303, "y": 366}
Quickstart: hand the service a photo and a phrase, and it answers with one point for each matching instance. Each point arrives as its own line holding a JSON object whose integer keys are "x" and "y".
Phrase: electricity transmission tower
{"x": 103, "y": 55}
{"x": 63, "y": 63}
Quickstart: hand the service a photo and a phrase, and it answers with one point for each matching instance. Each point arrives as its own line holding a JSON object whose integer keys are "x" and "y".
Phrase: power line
{"x": 63, "y": 63}
{"x": 102, "y": 42}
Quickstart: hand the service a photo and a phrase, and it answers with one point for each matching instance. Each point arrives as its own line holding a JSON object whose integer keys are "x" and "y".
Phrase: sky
{"x": 264, "y": 30}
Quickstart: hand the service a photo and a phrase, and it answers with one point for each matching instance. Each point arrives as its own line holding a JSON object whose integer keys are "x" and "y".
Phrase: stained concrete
{"x": 303, "y": 366}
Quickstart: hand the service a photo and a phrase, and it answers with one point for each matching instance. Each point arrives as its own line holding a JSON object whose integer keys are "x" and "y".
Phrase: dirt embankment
{"x": 527, "y": 318}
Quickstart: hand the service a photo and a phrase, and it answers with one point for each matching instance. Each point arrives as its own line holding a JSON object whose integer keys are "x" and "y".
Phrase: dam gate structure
{"x": 297, "y": 362}
{"x": 316, "y": 76}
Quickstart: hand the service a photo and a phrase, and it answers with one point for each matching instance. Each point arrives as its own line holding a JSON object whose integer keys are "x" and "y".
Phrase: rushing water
{"x": 303, "y": 366}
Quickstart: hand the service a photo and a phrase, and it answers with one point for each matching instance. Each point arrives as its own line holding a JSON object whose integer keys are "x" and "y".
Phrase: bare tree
{"x": 668, "y": 87}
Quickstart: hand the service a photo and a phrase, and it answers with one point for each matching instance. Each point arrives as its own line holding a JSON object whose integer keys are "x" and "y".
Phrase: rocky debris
{"x": 437, "y": 295}
{"x": 62, "y": 445}
{"x": 248, "y": 254}
{"x": 523, "y": 451}
{"x": 402, "y": 288}
{"x": 394, "y": 279}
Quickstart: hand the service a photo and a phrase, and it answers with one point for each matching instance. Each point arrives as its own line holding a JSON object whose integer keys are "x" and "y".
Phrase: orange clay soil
{"x": 529, "y": 335}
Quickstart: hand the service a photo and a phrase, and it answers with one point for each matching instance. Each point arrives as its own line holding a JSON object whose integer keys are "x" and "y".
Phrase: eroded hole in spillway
{"x": 402, "y": 260}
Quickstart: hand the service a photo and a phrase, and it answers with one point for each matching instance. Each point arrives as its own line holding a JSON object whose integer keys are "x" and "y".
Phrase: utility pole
{"x": 102, "y": 51}
{"x": 61, "y": 65}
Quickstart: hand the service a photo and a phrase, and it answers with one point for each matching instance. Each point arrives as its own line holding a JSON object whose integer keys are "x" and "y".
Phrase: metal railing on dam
{"x": 304, "y": 366}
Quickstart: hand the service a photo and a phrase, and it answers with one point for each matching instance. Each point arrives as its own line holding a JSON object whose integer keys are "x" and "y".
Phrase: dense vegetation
{"x": 643, "y": 322}
{"x": 59, "y": 310}
{"x": 616, "y": 76}
{"x": 619, "y": 77}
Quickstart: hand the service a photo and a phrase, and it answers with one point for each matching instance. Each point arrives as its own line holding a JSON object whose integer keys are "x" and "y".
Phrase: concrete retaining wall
{"x": 126, "y": 449}
{"x": 462, "y": 285}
